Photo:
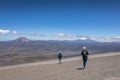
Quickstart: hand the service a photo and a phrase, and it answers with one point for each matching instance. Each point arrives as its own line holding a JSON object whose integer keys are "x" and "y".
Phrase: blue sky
{"x": 60, "y": 19}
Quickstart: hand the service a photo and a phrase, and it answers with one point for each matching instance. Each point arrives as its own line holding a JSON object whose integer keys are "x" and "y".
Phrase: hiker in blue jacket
{"x": 60, "y": 57}
{"x": 84, "y": 54}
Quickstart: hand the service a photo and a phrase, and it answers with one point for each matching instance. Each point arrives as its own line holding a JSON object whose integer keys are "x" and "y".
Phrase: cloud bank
{"x": 61, "y": 36}
{"x": 4, "y": 31}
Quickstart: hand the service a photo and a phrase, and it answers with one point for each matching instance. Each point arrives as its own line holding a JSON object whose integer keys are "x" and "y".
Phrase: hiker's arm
{"x": 81, "y": 52}
{"x": 87, "y": 53}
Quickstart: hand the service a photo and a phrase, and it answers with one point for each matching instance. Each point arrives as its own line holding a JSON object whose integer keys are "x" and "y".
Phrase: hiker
{"x": 60, "y": 57}
{"x": 84, "y": 54}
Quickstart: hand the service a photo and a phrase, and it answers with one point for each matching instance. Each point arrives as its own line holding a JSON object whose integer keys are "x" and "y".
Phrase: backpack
{"x": 85, "y": 53}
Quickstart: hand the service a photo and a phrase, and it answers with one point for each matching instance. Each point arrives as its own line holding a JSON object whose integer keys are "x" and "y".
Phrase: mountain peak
{"x": 22, "y": 39}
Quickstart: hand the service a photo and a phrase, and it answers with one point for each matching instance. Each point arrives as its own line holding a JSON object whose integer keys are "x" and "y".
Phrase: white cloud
{"x": 114, "y": 39}
{"x": 62, "y": 36}
{"x": 14, "y": 32}
{"x": 117, "y": 37}
{"x": 38, "y": 35}
{"x": 83, "y": 38}
{"x": 4, "y": 31}
{"x": 93, "y": 38}
{"x": 108, "y": 39}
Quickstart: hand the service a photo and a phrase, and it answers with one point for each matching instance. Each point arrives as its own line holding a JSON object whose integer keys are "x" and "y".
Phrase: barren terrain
{"x": 99, "y": 67}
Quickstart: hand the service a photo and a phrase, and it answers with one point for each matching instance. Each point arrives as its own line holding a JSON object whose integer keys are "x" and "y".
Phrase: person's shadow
{"x": 80, "y": 69}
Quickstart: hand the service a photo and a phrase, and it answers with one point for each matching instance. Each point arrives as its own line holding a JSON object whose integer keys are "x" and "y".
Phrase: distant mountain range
{"x": 24, "y": 39}
{"x": 25, "y": 50}
{"x": 26, "y": 46}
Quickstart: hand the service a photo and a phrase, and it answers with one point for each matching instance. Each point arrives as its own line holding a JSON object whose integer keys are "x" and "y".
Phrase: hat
{"x": 84, "y": 48}
{"x": 60, "y": 51}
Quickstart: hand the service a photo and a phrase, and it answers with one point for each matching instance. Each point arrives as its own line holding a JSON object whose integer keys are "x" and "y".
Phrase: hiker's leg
{"x": 59, "y": 60}
{"x": 85, "y": 62}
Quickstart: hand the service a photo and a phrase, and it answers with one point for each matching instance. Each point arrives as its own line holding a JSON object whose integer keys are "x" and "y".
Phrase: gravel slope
{"x": 100, "y": 67}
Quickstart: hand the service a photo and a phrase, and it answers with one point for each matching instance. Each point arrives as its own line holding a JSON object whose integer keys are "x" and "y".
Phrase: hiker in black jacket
{"x": 60, "y": 57}
{"x": 84, "y": 54}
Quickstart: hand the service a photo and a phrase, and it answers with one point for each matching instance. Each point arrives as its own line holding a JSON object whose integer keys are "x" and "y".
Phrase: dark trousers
{"x": 60, "y": 60}
{"x": 84, "y": 60}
